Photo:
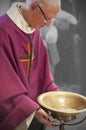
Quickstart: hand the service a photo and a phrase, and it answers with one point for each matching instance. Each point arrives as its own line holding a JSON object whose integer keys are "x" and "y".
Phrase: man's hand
{"x": 44, "y": 118}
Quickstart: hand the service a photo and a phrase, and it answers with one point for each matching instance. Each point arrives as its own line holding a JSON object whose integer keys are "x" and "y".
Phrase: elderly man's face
{"x": 42, "y": 15}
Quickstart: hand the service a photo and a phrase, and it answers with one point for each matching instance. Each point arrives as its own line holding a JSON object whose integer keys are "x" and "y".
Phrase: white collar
{"x": 18, "y": 19}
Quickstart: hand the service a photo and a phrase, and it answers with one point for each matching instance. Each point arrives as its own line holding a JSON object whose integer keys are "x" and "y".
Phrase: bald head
{"x": 49, "y": 2}
{"x": 50, "y": 7}
{"x": 44, "y": 2}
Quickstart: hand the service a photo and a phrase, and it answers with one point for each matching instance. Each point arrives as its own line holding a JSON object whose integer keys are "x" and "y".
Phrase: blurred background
{"x": 65, "y": 40}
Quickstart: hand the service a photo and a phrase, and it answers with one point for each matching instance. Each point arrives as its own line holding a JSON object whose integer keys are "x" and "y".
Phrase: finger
{"x": 48, "y": 123}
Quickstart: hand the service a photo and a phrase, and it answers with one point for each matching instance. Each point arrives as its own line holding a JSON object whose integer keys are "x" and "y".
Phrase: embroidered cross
{"x": 28, "y": 58}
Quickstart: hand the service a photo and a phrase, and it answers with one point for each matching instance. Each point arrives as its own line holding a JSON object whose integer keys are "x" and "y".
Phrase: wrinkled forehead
{"x": 49, "y": 8}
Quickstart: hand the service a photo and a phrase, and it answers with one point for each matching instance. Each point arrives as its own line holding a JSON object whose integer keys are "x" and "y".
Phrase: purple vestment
{"x": 17, "y": 95}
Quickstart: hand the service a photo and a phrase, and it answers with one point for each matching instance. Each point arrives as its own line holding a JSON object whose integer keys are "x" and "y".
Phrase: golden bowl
{"x": 64, "y": 105}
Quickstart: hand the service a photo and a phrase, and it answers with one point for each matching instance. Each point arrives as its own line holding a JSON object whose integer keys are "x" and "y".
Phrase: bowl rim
{"x": 41, "y": 96}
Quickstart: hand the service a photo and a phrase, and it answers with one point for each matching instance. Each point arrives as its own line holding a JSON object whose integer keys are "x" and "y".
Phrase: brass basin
{"x": 64, "y": 105}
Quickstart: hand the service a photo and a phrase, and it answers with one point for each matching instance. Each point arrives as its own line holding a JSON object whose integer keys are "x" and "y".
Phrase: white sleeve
{"x": 26, "y": 123}
{"x": 29, "y": 119}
